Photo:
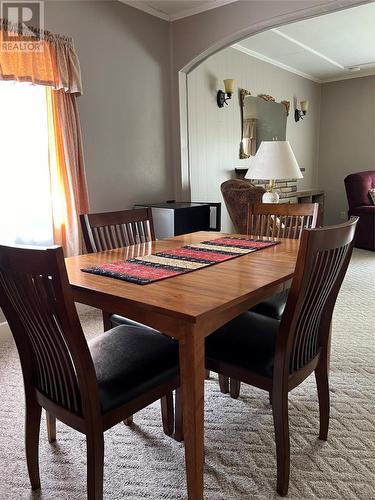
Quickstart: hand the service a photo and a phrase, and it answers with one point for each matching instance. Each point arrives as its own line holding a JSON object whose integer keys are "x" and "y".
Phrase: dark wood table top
{"x": 194, "y": 295}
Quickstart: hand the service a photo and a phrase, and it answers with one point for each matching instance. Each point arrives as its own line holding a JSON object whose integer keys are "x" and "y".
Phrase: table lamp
{"x": 273, "y": 160}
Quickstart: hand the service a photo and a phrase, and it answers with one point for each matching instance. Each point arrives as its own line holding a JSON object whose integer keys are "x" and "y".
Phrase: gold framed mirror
{"x": 262, "y": 119}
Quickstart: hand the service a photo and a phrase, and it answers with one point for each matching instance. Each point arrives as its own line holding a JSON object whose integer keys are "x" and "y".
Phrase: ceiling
{"x": 171, "y": 10}
{"x": 326, "y": 48}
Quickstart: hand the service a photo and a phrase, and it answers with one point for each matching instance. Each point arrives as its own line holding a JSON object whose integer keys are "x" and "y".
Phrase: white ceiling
{"x": 171, "y": 10}
{"x": 323, "y": 48}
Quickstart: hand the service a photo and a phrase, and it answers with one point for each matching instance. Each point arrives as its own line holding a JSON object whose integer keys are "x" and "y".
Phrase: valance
{"x": 55, "y": 64}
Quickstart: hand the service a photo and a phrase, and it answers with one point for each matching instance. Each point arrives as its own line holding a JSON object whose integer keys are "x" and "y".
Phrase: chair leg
{"x": 128, "y": 420}
{"x": 224, "y": 383}
{"x": 107, "y": 325}
{"x": 207, "y": 374}
{"x": 32, "y": 428}
{"x": 95, "y": 464}
{"x": 51, "y": 427}
{"x": 321, "y": 377}
{"x": 167, "y": 414}
{"x": 281, "y": 425}
{"x": 178, "y": 431}
{"x": 235, "y": 386}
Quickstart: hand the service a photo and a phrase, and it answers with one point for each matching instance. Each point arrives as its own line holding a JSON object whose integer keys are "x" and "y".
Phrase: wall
{"x": 215, "y": 133}
{"x": 125, "y": 62}
{"x": 347, "y": 140}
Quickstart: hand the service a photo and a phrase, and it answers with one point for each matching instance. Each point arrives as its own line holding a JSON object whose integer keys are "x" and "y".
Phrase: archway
{"x": 181, "y": 138}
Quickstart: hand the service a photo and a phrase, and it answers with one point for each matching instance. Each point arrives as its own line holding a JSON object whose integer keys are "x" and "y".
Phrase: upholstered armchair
{"x": 238, "y": 194}
{"x": 360, "y": 203}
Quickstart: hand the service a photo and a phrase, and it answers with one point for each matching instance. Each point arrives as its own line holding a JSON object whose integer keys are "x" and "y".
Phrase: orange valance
{"x": 55, "y": 64}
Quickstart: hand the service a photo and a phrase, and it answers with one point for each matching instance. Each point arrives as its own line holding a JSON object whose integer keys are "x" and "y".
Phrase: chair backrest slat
{"x": 321, "y": 266}
{"x": 109, "y": 230}
{"x": 278, "y": 220}
{"x": 36, "y": 299}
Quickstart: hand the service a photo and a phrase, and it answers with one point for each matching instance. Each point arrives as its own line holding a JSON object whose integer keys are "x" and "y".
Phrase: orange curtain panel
{"x": 56, "y": 66}
{"x": 68, "y": 182}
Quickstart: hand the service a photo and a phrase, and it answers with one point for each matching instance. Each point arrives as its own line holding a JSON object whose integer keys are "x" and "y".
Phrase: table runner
{"x": 169, "y": 263}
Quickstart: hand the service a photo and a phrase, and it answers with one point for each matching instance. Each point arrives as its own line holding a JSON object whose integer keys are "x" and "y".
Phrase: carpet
{"x": 142, "y": 463}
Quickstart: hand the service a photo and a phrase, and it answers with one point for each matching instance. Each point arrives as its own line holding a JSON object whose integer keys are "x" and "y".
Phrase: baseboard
{"x": 4, "y": 330}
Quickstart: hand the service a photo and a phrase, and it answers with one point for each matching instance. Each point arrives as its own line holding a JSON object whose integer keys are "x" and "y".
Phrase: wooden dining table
{"x": 187, "y": 307}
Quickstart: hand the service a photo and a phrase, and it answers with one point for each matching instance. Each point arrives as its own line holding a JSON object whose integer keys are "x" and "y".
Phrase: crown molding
{"x": 175, "y": 17}
{"x": 198, "y": 10}
{"x": 266, "y": 59}
{"x": 351, "y": 76}
{"x": 147, "y": 9}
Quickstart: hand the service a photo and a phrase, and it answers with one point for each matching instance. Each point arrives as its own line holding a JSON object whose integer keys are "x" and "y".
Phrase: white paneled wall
{"x": 215, "y": 133}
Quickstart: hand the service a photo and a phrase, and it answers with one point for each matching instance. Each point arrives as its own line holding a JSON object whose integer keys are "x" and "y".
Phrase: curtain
{"x": 67, "y": 174}
{"x": 56, "y": 66}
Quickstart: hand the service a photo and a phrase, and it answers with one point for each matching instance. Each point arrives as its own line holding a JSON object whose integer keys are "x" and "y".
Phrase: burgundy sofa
{"x": 357, "y": 187}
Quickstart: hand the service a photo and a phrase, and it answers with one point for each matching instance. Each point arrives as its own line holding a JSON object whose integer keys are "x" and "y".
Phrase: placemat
{"x": 169, "y": 263}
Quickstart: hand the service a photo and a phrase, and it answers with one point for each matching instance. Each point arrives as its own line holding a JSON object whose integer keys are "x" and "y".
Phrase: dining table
{"x": 187, "y": 307}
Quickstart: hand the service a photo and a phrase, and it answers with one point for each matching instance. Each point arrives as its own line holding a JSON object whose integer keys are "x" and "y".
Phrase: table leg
{"x": 192, "y": 375}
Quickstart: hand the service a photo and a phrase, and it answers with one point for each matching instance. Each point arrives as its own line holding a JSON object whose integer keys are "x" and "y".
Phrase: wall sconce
{"x": 300, "y": 113}
{"x": 222, "y": 97}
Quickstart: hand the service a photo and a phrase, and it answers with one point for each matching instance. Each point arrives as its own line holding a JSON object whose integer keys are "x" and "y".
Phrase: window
{"x": 25, "y": 199}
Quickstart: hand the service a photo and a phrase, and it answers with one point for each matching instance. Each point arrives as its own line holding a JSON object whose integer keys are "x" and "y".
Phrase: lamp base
{"x": 270, "y": 197}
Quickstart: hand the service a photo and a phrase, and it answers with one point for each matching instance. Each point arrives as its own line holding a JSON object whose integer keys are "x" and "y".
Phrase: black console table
{"x": 176, "y": 218}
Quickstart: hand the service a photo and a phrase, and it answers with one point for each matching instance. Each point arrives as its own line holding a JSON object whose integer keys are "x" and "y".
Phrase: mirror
{"x": 263, "y": 119}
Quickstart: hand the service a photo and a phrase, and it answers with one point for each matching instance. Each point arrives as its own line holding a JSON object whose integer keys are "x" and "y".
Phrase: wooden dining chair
{"x": 109, "y": 230}
{"x": 279, "y": 356}
{"x": 281, "y": 220}
{"x": 274, "y": 220}
{"x": 89, "y": 386}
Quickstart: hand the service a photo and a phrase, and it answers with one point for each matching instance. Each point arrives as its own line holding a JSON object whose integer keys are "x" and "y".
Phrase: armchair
{"x": 238, "y": 194}
{"x": 360, "y": 204}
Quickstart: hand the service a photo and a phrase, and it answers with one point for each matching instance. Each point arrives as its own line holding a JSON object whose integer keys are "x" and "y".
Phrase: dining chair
{"x": 278, "y": 356}
{"x": 89, "y": 386}
{"x": 110, "y": 230}
{"x": 274, "y": 220}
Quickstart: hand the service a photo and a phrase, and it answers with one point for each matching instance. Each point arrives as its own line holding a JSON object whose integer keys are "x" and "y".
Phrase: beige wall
{"x": 347, "y": 138}
{"x": 124, "y": 55}
{"x": 214, "y": 133}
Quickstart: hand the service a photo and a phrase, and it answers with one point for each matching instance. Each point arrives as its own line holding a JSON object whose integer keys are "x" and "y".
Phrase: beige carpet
{"x": 142, "y": 463}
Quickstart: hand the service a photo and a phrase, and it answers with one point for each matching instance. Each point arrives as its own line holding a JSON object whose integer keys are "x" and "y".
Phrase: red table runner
{"x": 169, "y": 263}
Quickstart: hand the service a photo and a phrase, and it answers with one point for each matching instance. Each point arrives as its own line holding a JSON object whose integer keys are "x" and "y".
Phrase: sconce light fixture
{"x": 300, "y": 113}
{"x": 222, "y": 97}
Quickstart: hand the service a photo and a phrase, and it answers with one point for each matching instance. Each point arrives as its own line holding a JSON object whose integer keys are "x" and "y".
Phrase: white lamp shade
{"x": 274, "y": 160}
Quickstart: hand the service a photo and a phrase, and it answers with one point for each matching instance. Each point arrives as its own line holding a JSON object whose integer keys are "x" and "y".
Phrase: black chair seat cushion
{"x": 130, "y": 361}
{"x": 118, "y": 320}
{"x": 273, "y": 307}
{"x": 247, "y": 342}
